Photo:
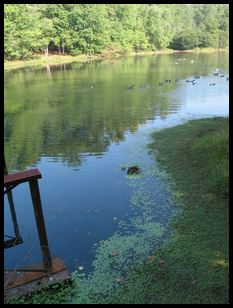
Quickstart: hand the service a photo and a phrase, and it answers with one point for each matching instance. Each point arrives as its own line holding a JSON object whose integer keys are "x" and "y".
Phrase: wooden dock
{"x": 32, "y": 278}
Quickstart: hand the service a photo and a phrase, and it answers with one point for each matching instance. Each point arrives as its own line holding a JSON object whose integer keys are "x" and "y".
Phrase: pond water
{"x": 81, "y": 125}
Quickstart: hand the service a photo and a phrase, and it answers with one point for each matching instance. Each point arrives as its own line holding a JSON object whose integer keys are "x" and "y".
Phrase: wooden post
{"x": 35, "y": 194}
{"x": 12, "y": 206}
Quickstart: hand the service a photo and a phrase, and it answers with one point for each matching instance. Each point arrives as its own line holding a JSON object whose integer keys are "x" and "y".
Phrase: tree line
{"x": 74, "y": 29}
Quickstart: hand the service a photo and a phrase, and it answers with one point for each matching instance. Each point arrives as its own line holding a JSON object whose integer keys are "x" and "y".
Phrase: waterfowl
{"x": 130, "y": 87}
{"x": 133, "y": 170}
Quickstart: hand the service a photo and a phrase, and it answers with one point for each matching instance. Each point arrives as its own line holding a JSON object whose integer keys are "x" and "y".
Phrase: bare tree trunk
{"x": 59, "y": 49}
{"x": 63, "y": 47}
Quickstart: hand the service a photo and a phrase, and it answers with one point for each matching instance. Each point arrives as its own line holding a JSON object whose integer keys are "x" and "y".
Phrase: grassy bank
{"x": 41, "y": 60}
{"x": 193, "y": 267}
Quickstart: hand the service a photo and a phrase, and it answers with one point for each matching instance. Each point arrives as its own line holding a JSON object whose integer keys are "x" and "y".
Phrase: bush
{"x": 188, "y": 40}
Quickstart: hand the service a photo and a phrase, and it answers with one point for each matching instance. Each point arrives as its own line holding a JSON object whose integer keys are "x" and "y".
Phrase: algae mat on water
{"x": 135, "y": 242}
{"x": 193, "y": 267}
{"x": 138, "y": 264}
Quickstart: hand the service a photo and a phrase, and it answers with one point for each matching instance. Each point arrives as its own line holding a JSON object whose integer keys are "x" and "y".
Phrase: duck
{"x": 133, "y": 170}
{"x": 130, "y": 87}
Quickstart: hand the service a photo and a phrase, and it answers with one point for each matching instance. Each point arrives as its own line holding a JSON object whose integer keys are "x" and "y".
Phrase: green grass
{"x": 195, "y": 270}
{"x": 192, "y": 268}
{"x": 41, "y": 61}
{"x": 56, "y": 59}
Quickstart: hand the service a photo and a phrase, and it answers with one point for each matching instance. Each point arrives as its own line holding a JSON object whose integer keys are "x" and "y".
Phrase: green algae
{"x": 146, "y": 232}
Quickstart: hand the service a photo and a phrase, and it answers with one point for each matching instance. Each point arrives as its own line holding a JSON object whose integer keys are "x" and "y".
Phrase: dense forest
{"x": 31, "y": 29}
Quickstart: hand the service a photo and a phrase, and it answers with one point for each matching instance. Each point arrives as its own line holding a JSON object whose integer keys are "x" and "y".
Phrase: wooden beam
{"x": 44, "y": 245}
{"x": 22, "y": 283}
{"x": 21, "y": 177}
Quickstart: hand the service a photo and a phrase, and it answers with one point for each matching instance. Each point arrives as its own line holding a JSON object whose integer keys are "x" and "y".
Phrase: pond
{"x": 82, "y": 125}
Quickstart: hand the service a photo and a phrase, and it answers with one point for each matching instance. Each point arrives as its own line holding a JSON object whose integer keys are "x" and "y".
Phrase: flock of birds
{"x": 192, "y": 81}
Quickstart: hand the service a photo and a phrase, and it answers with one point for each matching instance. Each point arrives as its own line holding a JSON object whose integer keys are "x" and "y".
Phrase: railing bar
{"x": 7, "y": 190}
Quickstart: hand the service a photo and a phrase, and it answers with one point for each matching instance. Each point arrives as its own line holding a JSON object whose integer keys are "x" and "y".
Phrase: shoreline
{"x": 193, "y": 267}
{"x": 43, "y": 61}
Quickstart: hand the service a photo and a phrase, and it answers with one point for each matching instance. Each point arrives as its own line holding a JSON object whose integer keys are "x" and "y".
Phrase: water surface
{"x": 81, "y": 124}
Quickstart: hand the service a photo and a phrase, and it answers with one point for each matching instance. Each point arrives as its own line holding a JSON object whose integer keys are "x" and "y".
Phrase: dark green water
{"x": 79, "y": 124}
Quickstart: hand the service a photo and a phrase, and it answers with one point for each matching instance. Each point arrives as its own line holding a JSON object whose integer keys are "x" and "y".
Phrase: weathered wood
{"x": 21, "y": 177}
{"x": 21, "y": 283}
{"x": 12, "y": 207}
{"x": 35, "y": 194}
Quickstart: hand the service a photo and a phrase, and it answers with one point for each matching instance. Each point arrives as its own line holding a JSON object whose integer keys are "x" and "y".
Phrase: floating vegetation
{"x": 114, "y": 258}
{"x": 136, "y": 239}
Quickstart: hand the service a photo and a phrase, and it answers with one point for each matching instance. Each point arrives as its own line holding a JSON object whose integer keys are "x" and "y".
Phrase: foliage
{"x": 91, "y": 28}
{"x": 185, "y": 40}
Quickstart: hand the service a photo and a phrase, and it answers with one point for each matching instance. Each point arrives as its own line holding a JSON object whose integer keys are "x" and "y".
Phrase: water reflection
{"x": 63, "y": 121}
{"x": 82, "y": 108}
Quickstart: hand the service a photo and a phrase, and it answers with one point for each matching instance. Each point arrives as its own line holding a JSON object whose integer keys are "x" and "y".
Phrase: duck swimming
{"x": 130, "y": 87}
{"x": 133, "y": 170}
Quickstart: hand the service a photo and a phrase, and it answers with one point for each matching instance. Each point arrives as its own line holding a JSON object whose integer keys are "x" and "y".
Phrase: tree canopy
{"x": 31, "y": 29}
